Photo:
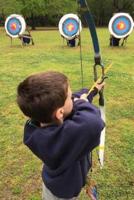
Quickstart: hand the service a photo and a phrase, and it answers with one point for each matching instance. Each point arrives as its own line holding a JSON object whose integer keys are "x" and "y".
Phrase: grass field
{"x": 19, "y": 168}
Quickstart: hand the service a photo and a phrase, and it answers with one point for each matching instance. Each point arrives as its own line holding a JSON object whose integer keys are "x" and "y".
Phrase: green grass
{"x": 19, "y": 168}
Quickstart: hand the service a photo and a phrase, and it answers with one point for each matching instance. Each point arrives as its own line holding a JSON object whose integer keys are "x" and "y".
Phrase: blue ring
{"x": 66, "y": 23}
{"x": 123, "y": 31}
{"x": 18, "y": 24}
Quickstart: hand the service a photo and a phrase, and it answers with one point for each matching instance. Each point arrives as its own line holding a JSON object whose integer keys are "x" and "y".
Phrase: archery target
{"x": 70, "y": 26}
{"x": 15, "y": 25}
{"x": 121, "y": 25}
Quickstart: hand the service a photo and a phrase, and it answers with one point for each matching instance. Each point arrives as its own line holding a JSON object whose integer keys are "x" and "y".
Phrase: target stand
{"x": 15, "y": 27}
{"x": 26, "y": 38}
{"x": 120, "y": 27}
{"x": 70, "y": 28}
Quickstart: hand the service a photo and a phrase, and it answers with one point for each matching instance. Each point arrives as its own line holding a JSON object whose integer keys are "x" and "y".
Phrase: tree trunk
{"x": 33, "y": 26}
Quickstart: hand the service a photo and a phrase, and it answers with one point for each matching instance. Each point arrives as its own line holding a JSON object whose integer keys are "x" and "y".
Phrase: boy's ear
{"x": 59, "y": 114}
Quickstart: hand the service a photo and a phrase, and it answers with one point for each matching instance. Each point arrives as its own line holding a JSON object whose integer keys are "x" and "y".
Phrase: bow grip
{"x": 101, "y": 98}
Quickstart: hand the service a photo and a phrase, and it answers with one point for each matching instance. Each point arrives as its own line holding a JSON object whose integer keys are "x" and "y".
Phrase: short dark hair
{"x": 39, "y": 95}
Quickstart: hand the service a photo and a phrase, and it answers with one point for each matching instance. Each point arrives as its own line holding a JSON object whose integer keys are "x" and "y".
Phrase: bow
{"x": 97, "y": 62}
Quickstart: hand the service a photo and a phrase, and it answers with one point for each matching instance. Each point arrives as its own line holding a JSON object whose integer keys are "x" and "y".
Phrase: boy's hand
{"x": 100, "y": 86}
{"x": 84, "y": 97}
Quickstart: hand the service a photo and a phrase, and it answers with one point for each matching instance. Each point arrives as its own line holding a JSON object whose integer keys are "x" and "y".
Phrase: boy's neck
{"x": 52, "y": 123}
{"x": 45, "y": 124}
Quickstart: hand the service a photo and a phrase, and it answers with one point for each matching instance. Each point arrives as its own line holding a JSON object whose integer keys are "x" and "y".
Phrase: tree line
{"x": 48, "y": 12}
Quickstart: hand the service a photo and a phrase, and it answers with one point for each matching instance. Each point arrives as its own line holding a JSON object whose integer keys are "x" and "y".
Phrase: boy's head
{"x": 45, "y": 97}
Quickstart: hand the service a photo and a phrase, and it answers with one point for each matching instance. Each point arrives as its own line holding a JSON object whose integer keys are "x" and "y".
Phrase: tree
{"x": 8, "y": 7}
{"x": 52, "y": 9}
{"x": 123, "y": 5}
{"x": 57, "y": 8}
{"x": 31, "y": 9}
{"x": 103, "y": 10}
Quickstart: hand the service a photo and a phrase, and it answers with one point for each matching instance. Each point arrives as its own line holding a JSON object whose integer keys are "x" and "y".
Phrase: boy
{"x": 62, "y": 131}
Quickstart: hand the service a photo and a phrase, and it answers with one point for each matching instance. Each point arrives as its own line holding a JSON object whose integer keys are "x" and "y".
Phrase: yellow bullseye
{"x": 121, "y": 25}
{"x": 70, "y": 27}
{"x": 13, "y": 26}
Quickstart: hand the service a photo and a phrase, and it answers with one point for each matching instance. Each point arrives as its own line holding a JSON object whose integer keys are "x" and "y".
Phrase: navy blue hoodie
{"x": 64, "y": 149}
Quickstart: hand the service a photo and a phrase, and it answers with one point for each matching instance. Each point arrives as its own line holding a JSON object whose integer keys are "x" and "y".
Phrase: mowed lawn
{"x": 19, "y": 169}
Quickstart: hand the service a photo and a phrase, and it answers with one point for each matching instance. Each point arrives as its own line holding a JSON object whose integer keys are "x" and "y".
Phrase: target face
{"x": 121, "y": 25}
{"x": 15, "y": 25}
{"x": 70, "y": 26}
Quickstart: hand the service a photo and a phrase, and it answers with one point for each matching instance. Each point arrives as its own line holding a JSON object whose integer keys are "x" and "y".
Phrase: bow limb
{"x": 90, "y": 21}
{"x": 97, "y": 59}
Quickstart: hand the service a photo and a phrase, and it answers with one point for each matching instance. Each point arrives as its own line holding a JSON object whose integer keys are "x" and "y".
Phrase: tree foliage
{"x": 104, "y": 9}
{"x": 8, "y": 7}
{"x": 52, "y": 10}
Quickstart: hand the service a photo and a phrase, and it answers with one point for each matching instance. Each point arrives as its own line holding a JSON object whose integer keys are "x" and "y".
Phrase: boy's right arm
{"x": 83, "y": 93}
{"x": 82, "y": 132}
